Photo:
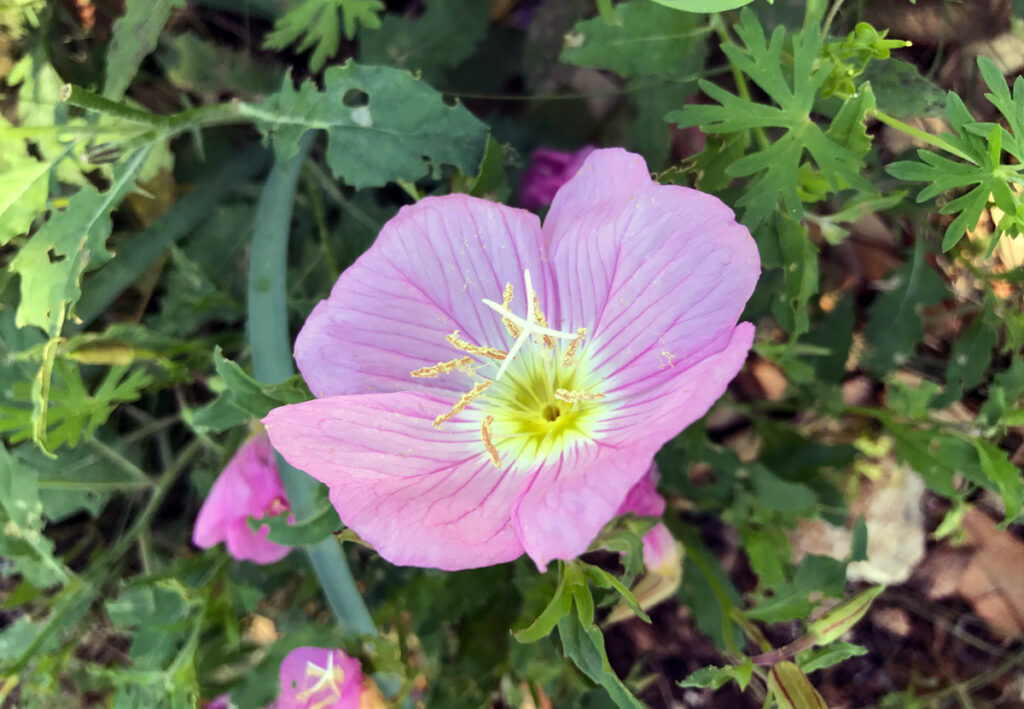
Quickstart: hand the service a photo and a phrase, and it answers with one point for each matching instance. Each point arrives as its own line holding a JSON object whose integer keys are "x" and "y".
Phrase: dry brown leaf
{"x": 993, "y": 582}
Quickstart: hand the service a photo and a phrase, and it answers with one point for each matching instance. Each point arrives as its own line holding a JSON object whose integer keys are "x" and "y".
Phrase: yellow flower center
{"x": 542, "y": 395}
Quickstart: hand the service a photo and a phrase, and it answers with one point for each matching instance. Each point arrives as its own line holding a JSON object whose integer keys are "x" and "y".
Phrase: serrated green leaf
{"x": 402, "y": 131}
{"x": 134, "y": 36}
{"x": 717, "y": 677}
{"x": 645, "y": 39}
{"x": 21, "y": 525}
{"x": 51, "y": 264}
{"x": 24, "y": 187}
{"x": 444, "y": 36}
{"x": 1004, "y": 476}
{"x": 774, "y": 170}
{"x": 317, "y": 23}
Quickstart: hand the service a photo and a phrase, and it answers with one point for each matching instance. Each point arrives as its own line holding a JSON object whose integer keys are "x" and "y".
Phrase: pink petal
{"x": 248, "y": 486}
{"x": 422, "y": 279}
{"x": 659, "y": 274}
{"x": 420, "y": 496}
{"x": 643, "y": 499}
{"x": 661, "y": 555}
{"x": 296, "y": 677}
{"x": 574, "y": 496}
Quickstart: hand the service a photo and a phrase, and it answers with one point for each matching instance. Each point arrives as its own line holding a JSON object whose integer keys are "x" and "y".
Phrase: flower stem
{"x": 924, "y": 137}
{"x": 272, "y": 362}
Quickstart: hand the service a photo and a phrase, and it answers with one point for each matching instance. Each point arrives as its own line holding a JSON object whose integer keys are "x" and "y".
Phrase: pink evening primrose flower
{"x": 322, "y": 678}
{"x": 547, "y": 172}
{"x": 249, "y": 486}
{"x": 452, "y": 430}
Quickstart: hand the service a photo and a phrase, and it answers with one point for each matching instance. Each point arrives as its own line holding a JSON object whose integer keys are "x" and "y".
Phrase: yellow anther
{"x": 572, "y": 396}
{"x": 464, "y": 401}
{"x": 506, "y": 300}
{"x": 538, "y": 315}
{"x": 441, "y": 368}
{"x": 329, "y": 677}
{"x": 460, "y": 344}
{"x": 570, "y": 352}
{"x": 485, "y": 434}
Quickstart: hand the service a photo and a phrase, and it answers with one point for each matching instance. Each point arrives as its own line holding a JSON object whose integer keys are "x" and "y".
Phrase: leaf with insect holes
{"x": 774, "y": 170}
{"x": 979, "y": 174}
{"x": 51, "y": 264}
{"x": 382, "y": 125}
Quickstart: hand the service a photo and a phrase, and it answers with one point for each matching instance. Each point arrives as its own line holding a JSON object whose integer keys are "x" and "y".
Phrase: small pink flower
{"x": 249, "y": 486}
{"x": 661, "y": 553}
{"x": 322, "y": 678}
{"x": 453, "y": 431}
{"x": 547, "y": 172}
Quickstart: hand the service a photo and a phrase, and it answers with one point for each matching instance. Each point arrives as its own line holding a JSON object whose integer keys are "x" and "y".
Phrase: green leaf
{"x": 585, "y": 647}
{"x": 51, "y": 264}
{"x": 935, "y": 458}
{"x": 444, "y": 36}
{"x": 208, "y": 68}
{"x": 971, "y": 354}
{"x": 1003, "y": 474}
{"x": 717, "y": 677}
{"x": 895, "y": 322}
{"x": 243, "y": 397}
{"x": 603, "y": 579}
{"x": 134, "y": 36}
{"x": 382, "y": 125}
{"x": 24, "y": 187}
{"x": 558, "y": 607}
{"x": 820, "y": 658}
{"x": 902, "y": 92}
{"x": 978, "y": 175}
{"x": 71, "y": 412}
{"x": 778, "y": 494}
{"x": 768, "y": 550}
{"x": 704, "y": 5}
{"x": 317, "y": 22}
{"x": 774, "y": 170}
{"x": 322, "y": 525}
{"x": 800, "y": 268}
{"x": 649, "y": 134}
{"x": 21, "y": 525}
{"x": 646, "y": 39}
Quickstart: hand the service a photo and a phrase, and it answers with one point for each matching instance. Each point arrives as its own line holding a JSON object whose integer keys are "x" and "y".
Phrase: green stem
{"x": 933, "y": 140}
{"x": 272, "y": 362}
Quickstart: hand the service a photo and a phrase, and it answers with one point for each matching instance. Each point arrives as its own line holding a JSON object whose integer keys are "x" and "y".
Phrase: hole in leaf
{"x": 450, "y": 100}
{"x": 354, "y": 98}
{"x": 54, "y": 256}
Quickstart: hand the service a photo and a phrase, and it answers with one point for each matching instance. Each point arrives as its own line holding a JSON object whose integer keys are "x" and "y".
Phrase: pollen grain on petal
{"x": 460, "y": 344}
{"x": 441, "y": 368}
{"x": 464, "y": 401}
{"x": 572, "y": 396}
{"x": 485, "y": 435}
{"x": 506, "y": 300}
{"x": 569, "y": 358}
{"x": 538, "y": 315}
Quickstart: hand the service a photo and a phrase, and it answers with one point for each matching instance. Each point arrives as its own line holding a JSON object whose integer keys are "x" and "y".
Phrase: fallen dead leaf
{"x": 993, "y": 582}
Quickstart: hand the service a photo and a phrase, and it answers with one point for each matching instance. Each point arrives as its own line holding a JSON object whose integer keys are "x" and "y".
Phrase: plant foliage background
{"x": 181, "y": 181}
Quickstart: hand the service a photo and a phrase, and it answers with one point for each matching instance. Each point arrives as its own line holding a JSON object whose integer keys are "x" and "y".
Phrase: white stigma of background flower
{"x": 528, "y": 327}
{"x": 327, "y": 676}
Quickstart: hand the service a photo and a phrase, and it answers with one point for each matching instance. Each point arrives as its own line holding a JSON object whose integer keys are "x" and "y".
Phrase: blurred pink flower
{"x": 249, "y": 486}
{"x": 660, "y": 551}
{"x": 322, "y": 678}
{"x": 531, "y": 437}
{"x": 547, "y": 172}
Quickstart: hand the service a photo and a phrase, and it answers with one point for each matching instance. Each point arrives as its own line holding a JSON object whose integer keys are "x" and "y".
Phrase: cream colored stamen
{"x": 485, "y": 434}
{"x": 329, "y": 676}
{"x": 570, "y": 352}
{"x": 460, "y": 344}
{"x": 538, "y": 314}
{"x": 441, "y": 368}
{"x": 506, "y": 300}
{"x": 464, "y": 401}
{"x": 572, "y": 396}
